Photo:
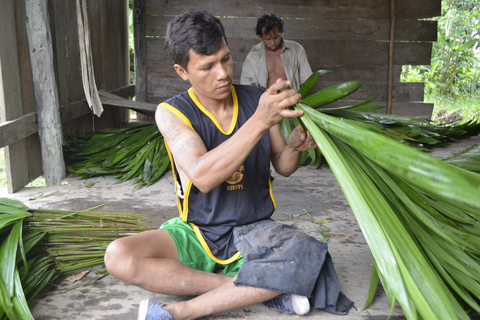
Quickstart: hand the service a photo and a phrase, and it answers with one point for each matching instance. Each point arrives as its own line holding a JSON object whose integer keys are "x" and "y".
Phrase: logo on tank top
{"x": 235, "y": 179}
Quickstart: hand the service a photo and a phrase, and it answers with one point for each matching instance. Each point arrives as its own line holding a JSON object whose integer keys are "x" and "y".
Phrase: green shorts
{"x": 191, "y": 252}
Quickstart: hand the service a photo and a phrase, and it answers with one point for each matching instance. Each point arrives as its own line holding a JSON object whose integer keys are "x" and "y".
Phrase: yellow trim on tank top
{"x": 271, "y": 194}
{"x": 207, "y": 249}
{"x": 182, "y": 117}
{"x": 210, "y": 115}
{"x": 177, "y": 113}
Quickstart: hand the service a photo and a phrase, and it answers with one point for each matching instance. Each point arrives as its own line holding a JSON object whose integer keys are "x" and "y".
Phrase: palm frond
{"x": 135, "y": 152}
{"x": 39, "y": 245}
{"x": 419, "y": 214}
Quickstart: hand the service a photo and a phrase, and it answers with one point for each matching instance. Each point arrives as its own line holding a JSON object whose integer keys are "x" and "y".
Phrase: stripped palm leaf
{"x": 135, "y": 152}
{"x": 468, "y": 159}
{"x": 39, "y": 245}
{"x": 410, "y": 207}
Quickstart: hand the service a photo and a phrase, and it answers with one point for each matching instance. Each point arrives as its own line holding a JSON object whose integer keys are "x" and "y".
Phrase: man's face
{"x": 273, "y": 40}
{"x": 209, "y": 75}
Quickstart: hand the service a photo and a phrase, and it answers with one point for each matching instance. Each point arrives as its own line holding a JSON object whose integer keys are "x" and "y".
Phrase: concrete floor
{"x": 310, "y": 189}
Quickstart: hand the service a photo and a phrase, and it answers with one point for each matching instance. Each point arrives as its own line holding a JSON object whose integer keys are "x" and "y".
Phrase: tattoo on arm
{"x": 191, "y": 143}
{"x": 178, "y": 140}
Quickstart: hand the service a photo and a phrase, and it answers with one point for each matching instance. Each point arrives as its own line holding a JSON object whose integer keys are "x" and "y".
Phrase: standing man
{"x": 221, "y": 139}
{"x": 274, "y": 57}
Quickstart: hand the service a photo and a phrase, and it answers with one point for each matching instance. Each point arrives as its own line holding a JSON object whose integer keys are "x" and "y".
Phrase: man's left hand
{"x": 301, "y": 140}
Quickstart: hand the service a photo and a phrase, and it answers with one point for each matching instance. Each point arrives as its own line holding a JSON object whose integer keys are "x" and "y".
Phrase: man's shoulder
{"x": 257, "y": 48}
{"x": 291, "y": 43}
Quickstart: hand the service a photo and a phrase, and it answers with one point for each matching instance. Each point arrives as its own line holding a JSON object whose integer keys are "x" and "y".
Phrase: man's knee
{"x": 120, "y": 261}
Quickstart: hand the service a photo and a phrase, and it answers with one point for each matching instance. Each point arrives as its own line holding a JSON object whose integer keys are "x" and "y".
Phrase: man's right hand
{"x": 273, "y": 104}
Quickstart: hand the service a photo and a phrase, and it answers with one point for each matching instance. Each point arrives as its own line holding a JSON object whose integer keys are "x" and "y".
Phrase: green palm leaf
{"x": 400, "y": 197}
{"x": 130, "y": 153}
{"x": 38, "y": 245}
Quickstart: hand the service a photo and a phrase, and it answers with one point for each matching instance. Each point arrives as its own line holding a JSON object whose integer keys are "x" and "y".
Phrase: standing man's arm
{"x": 304, "y": 67}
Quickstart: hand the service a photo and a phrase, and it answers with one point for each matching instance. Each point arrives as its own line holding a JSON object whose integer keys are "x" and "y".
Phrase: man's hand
{"x": 273, "y": 104}
{"x": 301, "y": 140}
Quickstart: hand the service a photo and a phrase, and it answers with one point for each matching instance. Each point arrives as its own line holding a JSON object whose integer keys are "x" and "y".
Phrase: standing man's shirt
{"x": 295, "y": 64}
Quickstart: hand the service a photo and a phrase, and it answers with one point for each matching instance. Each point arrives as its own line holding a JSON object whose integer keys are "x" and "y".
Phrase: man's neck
{"x": 221, "y": 109}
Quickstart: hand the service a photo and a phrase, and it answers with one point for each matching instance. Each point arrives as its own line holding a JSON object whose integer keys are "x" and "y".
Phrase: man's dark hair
{"x": 196, "y": 30}
{"x": 269, "y": 21}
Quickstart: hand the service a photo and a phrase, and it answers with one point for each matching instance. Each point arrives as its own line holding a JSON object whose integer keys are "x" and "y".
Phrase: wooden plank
{"x": 403, "y": 91}
{"x": 74, "y": 111}
{"x": 16, "y": 164}
{"x": 138, "y": 106}
{"x": 110, "y": 53}
{"x": 369, "y": 73}
{"x": 419, "y": 110}
{"x": 409, "y": 109}
{"x": 18, "y": 129}
{"x": 66, "y": 48}
{"x": 68, "y": 66}
{"x": 318, "y": 9}
{"x": 78, "y": 109}
{"x": 40, "y": 43}
{"x": 140, "y": 33}
{"x": 161, "y": 89}
{"x": 328, "y": 52}
{"x": 31, "y": 143}
{"x": 317, "y": 29}
{"x": 125, "y": 92}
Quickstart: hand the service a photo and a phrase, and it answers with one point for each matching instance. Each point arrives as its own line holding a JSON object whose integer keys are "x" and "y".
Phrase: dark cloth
{"x": 281, "y": 258}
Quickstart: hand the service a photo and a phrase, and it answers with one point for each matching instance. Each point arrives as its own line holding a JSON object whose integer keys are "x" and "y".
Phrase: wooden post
{"x": 11, "y": 100}
{"x": 140, "y": 47}
{"x": 390, "y": 58}
{"x": 46, "y": 93}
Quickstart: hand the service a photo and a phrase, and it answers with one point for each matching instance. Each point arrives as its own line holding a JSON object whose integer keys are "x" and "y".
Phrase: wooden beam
{"x": 18, "y": 129}
{"x": 390, "y": 57}
{"x": 114, "y": 100}
{"x": 11, "y": 100}
{"x": 48, "y": 108}
{"x": 139, "y": 30}
{"x": 80, "y": 108}
{"x": 338, "y": 9}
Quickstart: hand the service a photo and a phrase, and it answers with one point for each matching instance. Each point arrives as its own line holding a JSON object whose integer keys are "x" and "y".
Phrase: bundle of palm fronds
{"x": 39, "y": 245}
{"x": 134, "y": 152}
{"x": 419, "y": 215}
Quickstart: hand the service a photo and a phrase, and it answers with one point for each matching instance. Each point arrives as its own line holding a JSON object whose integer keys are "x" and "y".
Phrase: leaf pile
{"x": 39, "y": 245}
{"x": 134, "y": 152}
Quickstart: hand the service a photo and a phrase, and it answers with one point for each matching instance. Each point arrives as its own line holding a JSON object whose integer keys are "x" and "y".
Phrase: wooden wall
{"x": 108, "y": 20}
{"x": 108, "y": 23}
{"x": 348, "y": 37}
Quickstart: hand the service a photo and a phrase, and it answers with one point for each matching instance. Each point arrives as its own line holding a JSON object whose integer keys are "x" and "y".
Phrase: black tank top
{"x": 245, "y": 197}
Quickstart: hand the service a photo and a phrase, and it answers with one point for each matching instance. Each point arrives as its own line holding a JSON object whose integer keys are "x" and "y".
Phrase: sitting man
{"x": 221, "y": 138}
{"x": 274, "y": 57}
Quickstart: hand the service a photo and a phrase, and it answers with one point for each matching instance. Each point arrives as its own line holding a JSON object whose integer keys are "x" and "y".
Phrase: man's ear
{"x": 181, "y": 72}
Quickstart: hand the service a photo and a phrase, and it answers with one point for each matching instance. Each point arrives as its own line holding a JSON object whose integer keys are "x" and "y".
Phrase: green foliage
{"x": 134, "y": 152}
{"x": 39, "y": 245}
{"x": 455, "y": 66}
{"x": 418, "y": 214}
{"x": 131, "y": 43}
